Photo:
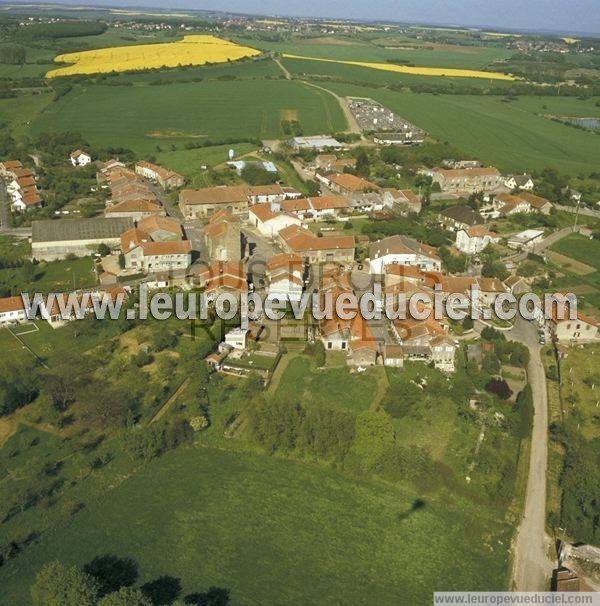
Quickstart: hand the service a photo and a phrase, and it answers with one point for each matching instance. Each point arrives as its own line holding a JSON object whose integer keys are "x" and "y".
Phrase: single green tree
{"x": 58, "y": 585}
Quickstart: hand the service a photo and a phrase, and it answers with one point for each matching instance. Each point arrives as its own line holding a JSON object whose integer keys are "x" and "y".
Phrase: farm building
{"x": 404, "y": 138}
{"x": 459, "y": 217}
{"x": 467, "y": 180}
{"x": 316, "y": 143}
{"x": 134, "y": 209}
{"x": 328, "y": 249}
{"x": 196, "y": 203}
{"x": 525, "y": 239}
{"x": 346, "y": 183}
{"x": 51, "y": 240}
{"x": 404, "y": 251}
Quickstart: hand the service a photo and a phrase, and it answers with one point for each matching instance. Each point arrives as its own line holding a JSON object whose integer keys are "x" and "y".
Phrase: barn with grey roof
{"x": 51, "y": 240}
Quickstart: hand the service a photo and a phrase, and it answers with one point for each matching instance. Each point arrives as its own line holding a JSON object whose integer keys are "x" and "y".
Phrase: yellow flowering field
{"x": 192, "y": 50}
{"x": 417, "y": 71}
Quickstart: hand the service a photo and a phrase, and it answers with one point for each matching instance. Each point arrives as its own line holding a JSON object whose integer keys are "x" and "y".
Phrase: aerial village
{"x": 276, "y": 241}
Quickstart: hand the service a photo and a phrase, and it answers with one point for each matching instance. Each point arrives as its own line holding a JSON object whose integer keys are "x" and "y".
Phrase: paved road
{"x": 531, "y": 566}
{"x": 588, "y": 212}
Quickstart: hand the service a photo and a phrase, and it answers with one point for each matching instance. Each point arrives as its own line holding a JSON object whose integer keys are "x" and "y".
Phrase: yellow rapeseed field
{"x": 192, "y": 50}
{"x": 417, "y": 71}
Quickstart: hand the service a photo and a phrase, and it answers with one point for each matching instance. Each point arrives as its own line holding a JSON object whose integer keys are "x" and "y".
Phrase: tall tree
{"x": 58, "y": 585}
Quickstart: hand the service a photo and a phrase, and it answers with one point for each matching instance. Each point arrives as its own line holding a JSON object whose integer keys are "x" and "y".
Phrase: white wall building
{"x": 474, "y": 240}
{"x": 80, "y": 158}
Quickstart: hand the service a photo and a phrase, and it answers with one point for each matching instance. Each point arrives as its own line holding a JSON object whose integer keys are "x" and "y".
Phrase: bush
{"x": 499, "y": 387}
{"x": 142, "y": 358}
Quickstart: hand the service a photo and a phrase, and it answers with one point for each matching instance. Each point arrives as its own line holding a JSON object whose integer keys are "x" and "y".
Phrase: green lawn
{"x": 507, "y": 134}
{"x": 188, "y": 161}
{"x": 329, "y": 386}
{"x": 13, "y": 249}
{"x": 151, "y": 119}
{"x": 19, "y": 112}
{"x": 277, "y": 532}
{"x": 53, "y": 276}
{"x": 580, "y": 248}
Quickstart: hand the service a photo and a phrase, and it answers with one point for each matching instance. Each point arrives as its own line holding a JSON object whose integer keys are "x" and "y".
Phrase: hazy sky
{"x": 551, "y": 15}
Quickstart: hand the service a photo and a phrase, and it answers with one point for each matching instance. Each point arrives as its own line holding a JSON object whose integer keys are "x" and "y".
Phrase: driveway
{"x": 531, "y": 565}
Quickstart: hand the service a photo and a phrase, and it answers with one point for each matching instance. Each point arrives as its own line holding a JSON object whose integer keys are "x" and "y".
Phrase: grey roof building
{"x": 51, "y": 240}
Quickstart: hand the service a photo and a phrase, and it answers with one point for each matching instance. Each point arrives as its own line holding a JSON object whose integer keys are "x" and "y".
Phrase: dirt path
{"x": 352, "y": 123}
{"x": 167, "y": 405}
{"x": 281, "y": 368}
{"x": 531, "y": 566}
{"x": 285, "y": 71}
{"x": 382, "y": 385}
{"x": 7, "y": 429}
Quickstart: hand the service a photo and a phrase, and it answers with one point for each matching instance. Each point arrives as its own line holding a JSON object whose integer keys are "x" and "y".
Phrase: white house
{"x": 270, "y": 220}
{"x": 284, "y": 274}
{"x": 402, "y": 250}
{"x": 473, "y": 240}
{"x": 12, "y": 310}
{"x": 80, "y": 158}
{"x": 523, "y": 181}
{"x": 237, "y": 338}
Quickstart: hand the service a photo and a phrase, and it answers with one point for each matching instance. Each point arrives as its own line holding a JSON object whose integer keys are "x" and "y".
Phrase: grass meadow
{"x": 351, "y": 49}
{"x": 145, "y": 119}
{"x": 510, "y": 135}
{"x": 274, "y": 531}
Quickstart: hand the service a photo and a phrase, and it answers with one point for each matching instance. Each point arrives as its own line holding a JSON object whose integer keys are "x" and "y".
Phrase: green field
{"x": 188, "y": 161}
{"x": 351, "y": 49}
{"x": 507, "y": 134}
{"x": 144, "y": 118}
{"x": 379, "y": 78}
{"x": 322, "y": 387}
{"x": 277, "y": 532}
{"x": 580, "y": 248}
{"x": 19, "y": 112}
{"x": 54, "y": 276}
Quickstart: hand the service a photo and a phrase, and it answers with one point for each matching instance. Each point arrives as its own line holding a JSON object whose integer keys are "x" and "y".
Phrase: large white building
{"x": 474, "y": 240}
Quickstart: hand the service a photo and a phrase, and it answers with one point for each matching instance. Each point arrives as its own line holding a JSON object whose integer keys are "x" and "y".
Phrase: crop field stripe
{"x": 192, "y": 50}
{"x": 406, "y": 69}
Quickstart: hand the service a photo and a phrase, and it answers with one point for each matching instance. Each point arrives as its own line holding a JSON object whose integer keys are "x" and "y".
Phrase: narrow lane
{"x": 531, "y": 566}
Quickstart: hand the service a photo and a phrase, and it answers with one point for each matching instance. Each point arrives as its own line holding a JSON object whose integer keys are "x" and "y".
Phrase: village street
{"x": 531, "y": 566}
